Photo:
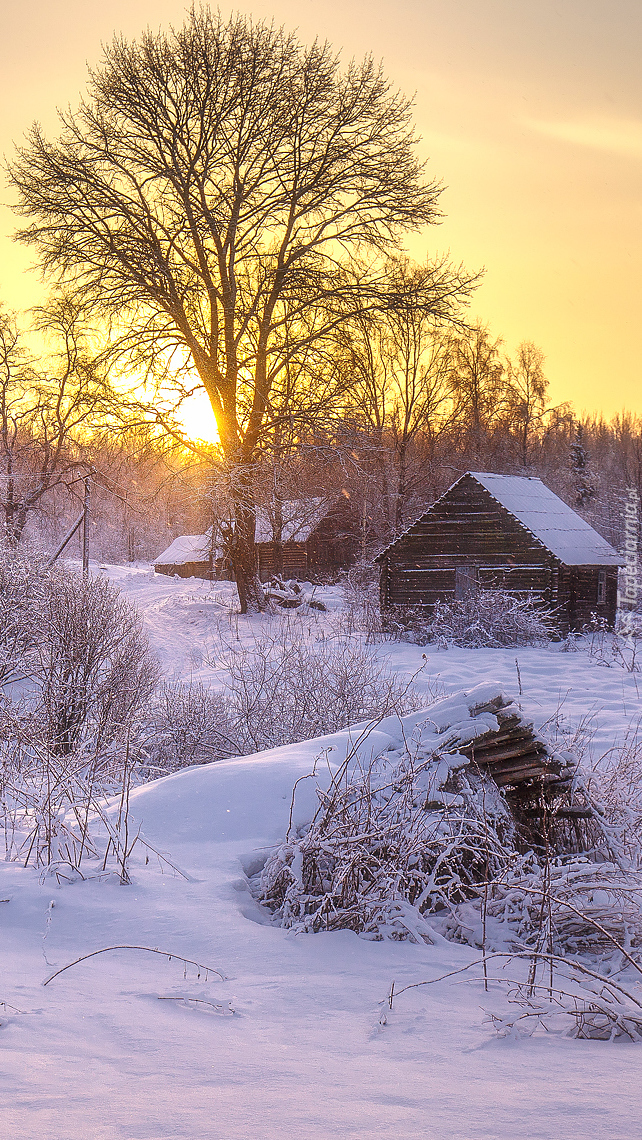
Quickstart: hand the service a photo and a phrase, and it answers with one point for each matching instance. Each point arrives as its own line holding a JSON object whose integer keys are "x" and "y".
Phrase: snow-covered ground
{"x": 296, "y": 1039}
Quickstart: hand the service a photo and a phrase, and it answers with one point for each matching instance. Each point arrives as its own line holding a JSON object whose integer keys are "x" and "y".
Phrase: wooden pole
{"x": 85, "y": 527}
{"x": 69, "y": 535}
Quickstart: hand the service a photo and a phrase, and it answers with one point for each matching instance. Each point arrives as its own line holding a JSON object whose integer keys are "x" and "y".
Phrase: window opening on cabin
{"x": 466, "y": 582}
{"x": 601, "y": 587}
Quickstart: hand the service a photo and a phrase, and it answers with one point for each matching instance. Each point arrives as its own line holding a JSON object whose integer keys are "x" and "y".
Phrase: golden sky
{"x": 530, "y": 111}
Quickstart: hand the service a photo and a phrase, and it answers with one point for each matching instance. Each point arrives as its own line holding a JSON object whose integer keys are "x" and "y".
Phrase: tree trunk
{"x": 401, "y": 488}
{"x": 243, "y": 552}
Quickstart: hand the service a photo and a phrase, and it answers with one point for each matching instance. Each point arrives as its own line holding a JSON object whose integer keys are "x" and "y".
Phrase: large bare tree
{"x": 404, "y": 394}
{"x": 224, "y": 198}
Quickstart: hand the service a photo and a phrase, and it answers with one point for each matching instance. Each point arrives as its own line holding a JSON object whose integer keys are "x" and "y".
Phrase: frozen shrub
{"x": 286, "y": 687}
{"x": 94, "y": 671}
{"x": 361, "y": 595}
{"x": 24, "y": 579}
{"x": 283, "y": 688}
{"x": 65, "y": 737}
{"x": 489, "y": 619}
{"x": 390, "y": 843}
{"x": 187, "y": 724}
{"x": 422, "y": 839}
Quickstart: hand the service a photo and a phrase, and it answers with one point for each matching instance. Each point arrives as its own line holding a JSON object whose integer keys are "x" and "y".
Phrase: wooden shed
{"x": 189, "y": 556}
{"x": 509, "y": 533}
{"x": 304, "y": 538}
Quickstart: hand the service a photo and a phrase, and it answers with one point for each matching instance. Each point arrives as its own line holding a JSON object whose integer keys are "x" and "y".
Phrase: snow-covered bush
{"x": 422, "y": 839}
{"x": 489, "y": 619}
{"x": 85, "y": 675}
{"x": 24, "y": 578}
{"x": 186, "y": 724}
{"x": 288, "y": 686}
{"x": 94, "y": 672}
{"x": 403, "y": 838}
{"x": 361, "y": 596}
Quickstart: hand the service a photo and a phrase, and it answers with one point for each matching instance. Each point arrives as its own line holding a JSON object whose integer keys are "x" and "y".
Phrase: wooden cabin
{"x": 306, "y": 538}
{"x": 190, "y": 556}
{"x": 301, "y": 539}
{"x": 508, "y": 533}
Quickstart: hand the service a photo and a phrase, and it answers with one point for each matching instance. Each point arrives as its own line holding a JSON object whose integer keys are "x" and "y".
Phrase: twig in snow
{"x": 149, "y": 949}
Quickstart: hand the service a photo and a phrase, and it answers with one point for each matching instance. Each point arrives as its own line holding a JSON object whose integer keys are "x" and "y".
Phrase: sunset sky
{"x": 530, "y": 111}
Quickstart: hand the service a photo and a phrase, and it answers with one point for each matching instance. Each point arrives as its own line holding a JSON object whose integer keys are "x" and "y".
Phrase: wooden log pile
{"x": 514, "y": 753}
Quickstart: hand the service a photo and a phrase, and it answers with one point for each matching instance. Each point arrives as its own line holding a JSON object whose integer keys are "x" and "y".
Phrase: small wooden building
{"x": 508, "y": 533}
{"x": 189, "y": 556}
{"x": 314, "y": 540}
{"x": 306, "y": 538}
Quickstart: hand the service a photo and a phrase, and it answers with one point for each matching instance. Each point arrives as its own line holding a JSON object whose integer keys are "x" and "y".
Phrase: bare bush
{"x": 389, "y": 844}
{"x": 23, "y": 583}
{"x": 187, "y": 724}
{"x": 65, "y": 737}
{"x": 608, "y": 648}
{"x": 94, "y": 672}
{"x": 288, "y": 687}
{"x": 490, "y": 619}
{"x": 361, "y": 596}
{"x": 558, "y": 995}
{"x": 616, "y": 783}
{"x": 53, "y": 807}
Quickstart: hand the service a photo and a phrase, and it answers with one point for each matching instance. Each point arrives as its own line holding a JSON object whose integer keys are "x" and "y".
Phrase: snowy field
{"x": 295, "y": 1038}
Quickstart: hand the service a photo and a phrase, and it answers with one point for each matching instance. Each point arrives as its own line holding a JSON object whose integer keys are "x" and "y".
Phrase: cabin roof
{"x": 559, "y": 528}
{"x": 300, "y": 518}
{"x": 185, "y": 548}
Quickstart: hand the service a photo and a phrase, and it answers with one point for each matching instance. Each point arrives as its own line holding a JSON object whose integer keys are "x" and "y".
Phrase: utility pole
{"x": 85, "y": 528}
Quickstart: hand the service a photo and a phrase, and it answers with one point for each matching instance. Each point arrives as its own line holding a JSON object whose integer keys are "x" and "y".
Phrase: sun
{"x": 197, "y": 418}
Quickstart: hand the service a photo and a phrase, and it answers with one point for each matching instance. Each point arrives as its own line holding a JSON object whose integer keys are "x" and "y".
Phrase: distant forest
{"x": 415, "y": 409}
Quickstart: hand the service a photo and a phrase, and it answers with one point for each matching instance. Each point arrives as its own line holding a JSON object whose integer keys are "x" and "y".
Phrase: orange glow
{"x": 530, "y": 113}
{"x": 197, "y": 418}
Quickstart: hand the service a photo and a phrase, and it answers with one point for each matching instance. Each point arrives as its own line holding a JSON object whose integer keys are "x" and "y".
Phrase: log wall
{"x": 467, "y": 528}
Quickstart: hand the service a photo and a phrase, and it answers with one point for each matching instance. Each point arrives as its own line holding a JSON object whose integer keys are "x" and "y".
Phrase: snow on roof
{"x": 300, "y": 518}
{"x": 556, "y": 525}
{"x": 185, "y": 548}
{"x": 559, "y": 528}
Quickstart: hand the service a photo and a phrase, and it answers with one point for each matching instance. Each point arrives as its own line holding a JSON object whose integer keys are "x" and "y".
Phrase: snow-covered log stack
{"x": 488, "y": 728}
{"x": 542, "y": 786}
{"x": 453, "y": 806}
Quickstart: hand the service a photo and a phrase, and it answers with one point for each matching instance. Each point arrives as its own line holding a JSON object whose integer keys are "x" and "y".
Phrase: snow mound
{"x": 250, "y": 797}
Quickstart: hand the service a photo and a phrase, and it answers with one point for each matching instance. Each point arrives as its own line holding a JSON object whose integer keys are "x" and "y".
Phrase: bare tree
{"x": 208, "y": 198}
{"x": 479, "y": 383}
{"x": 45, "y": 416}
{"x": 402, "y": 361}
{"x": 527, "y": 388}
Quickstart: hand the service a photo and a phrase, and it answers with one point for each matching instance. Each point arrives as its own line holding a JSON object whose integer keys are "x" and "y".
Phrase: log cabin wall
{"x": 186, "y": 570}
{"x": 468, "y": 533}
{"x": 290, "y": 559}
{"x": 332, "y": 545}
{"x": 334, "y": 542}
{"x": 466, "y": 528}
{"x": 588, "y": 597}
